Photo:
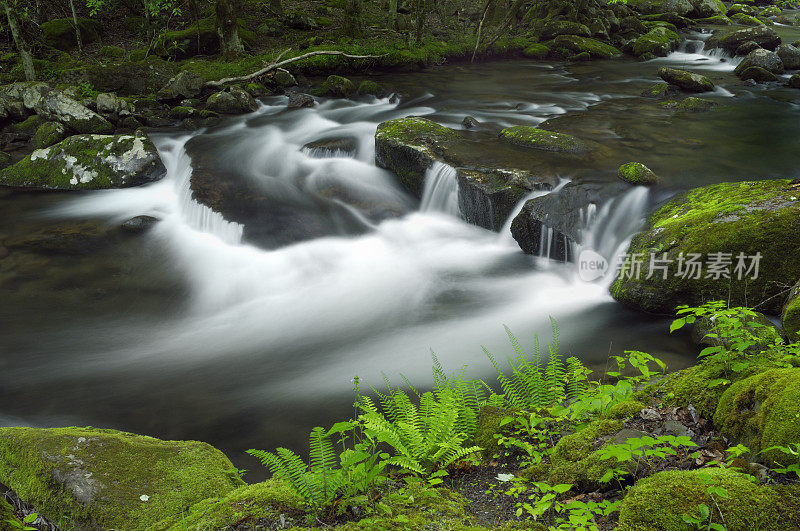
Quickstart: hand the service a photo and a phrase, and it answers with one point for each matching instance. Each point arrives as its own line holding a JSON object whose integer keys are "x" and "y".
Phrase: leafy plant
{"x": 794, "y": 451}
{"x": 543, "y": 504}
{"x": 639, "y": 450}
{"x": 704, "y": 518}
{"x": 13, "y": 523}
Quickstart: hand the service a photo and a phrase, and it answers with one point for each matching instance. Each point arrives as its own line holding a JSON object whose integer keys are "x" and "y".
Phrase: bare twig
{"x": 278, "y": 64}
{"x": 480, "y": 27}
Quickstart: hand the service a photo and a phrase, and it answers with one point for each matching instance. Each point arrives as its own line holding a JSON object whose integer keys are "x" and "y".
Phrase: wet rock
{"x": 186, "y": 84}
{"x": 794, "y": 81}
{"x": 139, "y": 224}
{"x": 298, "y": 100}
{"x": 554, "y": 28}
{"x": 661, "y": 91}
{"x": 764, "y": 36}
{"x": 49, "y": 133}
{"x": 746, "y": 48}
{"x": 708, "y": 8}
{"x": 737, "y": 8}
{"x": 337, "y": 87}
{"x": 716, "y": 20}
{"x": 578, "y": 45}
{"x": 469, "y": 122}
{"x": 789, "y": 56}
{"x": 370, "y": 88}
{"x": 106, "y": 479}
{"x": 54, "y": 105}
{"x": 329, "y": 147}
{"x": 757, "y": 74}
{"x": 88, "y": 162}
{"x": 691, "y": 104}
{"x": 533, "y": 137}
{"x": 746, "y": 20}
{"x": 232, "y": 101}
{"x": 257, "y": 90}
{"x": 685, "y": 80}
{"x": 790, "y": 316}
{"x": 761, "y": 58}
{"x": 659, "y": 41}
{"x": 637, "y": 173}
{"x": 736, "y": 219}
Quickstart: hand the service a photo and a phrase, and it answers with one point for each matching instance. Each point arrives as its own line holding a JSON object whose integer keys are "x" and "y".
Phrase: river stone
{"x": 554, "y": 28}
{"x": 107, "y": 479}
{"x": 232, "y": 101}
{"x": 708, "y": 8}
{"x": 469, "y": 122}
{"x": 578, "y": 45}
{"x": 186, "y": 84}
{"x": 757, "y": 74}
{"x": 764, "y": 36}
{"x": 283, "y": 78}
{"x": 298, "y": 100}
{"x": 328, "y": 147}
{"x": 139, "y": 224}
{"x": 691, "y": 104}
{"x": 337, "y": 87}
{"x": 679, "y": 7}
{"x": 370, "y": 88}
{"x": 790, "y": 316}
{"x": 760, "y": 58}
{"x": 661, "y": 91}
{"x": 794, "y": 81}
{"x": 55, "y": 105}
{"x": 658, "y": 41}
{"x": 88, "y": 162}
{"x": 637, "y": 173}
{"x": 746, "y": 20}
{"x": 741, "y": 8}
{"x": 685, "y": 80}
{"x": 47, "y": 134}
{"x": 789, "y": 55}
{"x": 533, "y": 137}
{"x": 746, "y": 217}
{"x": 746, "y": 48}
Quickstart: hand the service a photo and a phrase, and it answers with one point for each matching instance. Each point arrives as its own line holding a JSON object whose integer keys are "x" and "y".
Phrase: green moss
{"x": 47, "y": 134}
{"x": 575, "y": 457}
{"x": 578, "y": 45}
{"x": 135, "y": 25}
{"x": 536, "y": 50}
{"x": 114, "y": 52}
{"x": 625, "y": 410}
{"x": 60, "y": 32}
{"x": 658, "y": 41}
{"x": 95, "y": 477}
{"x": 719, "y": 20}
{"x": 529, "y": 136}
{"x": 336, "y": 86}
{"x": 770, "y": 11}
{"x": 370, "y": 87}
{"x": 660, "y": 501}
{"x": 637, "y": 173}
{"x": 692, "y": 104}
{"x": 790, "y": 317}
{"x": 138, "y": 54}
{"x": 7, "y": 513}
{"x": 488, "y": 426}
{"x": 762, "y": 411}
{"x": 746, "y": 20}
{"x": 180, "y": 112}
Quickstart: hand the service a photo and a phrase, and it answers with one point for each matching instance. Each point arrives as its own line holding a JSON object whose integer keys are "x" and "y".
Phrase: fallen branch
{"x": 278, "y": 64}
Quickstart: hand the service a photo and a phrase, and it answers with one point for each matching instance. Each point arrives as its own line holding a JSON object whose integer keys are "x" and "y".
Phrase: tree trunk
{"x": 20, "y": 41}
{"x": 228, "y": 30}
{"x": 77, "y": 27}
{"x": 353, "y": 19}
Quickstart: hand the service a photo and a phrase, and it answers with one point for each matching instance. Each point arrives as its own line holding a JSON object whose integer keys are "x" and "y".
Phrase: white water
{"x": 440, "y": 190}
{"x": 692, "y": 54}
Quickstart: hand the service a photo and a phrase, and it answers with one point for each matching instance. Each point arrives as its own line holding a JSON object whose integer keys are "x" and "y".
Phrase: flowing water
{"x": 245, "y": 329}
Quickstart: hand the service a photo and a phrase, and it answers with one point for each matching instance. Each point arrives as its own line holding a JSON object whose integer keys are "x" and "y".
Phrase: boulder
{"x": 125, "y": 78}
{"x": 578, "y": 45}
{"x": 794, "y": 81}
{"x": 764, "y": 36}
{"x": 88, "y": 162}
{"x": 55, "y": 105}
{"x": 708, "y": 8}
{"x": 678, "y": 7}
{"x": 554, "y": 28}
{"x": 337, "y": 87}
{"x": 661, "y": 91}
{"x": 198, "y": 39}
{"x": 283, "y": 78}
{"x": 47, "y": 134}
{"x": 790, "y": 316}
{"x": 469, "y": 122}
{"x": 637, "y": 173}
{"x": 757, "y": 74}
{"x": 60, "y": 32}
{"x": 186, "y": 84}
{"x": 789, "y": 55}
{"x": 746, "y": 20}
{"x": 761, "y": 58}
{"x": 533, "y": 137}
{"x": 232, "y": 101}
{"x": 139, "y": 224}
{"x": 658, "y": 41}
{"x": 298, "y": 100}
{"x": 685, "y": 80}
{"x": 746, "y": 48}
{"x": 112, "y": 52}
{"x": 716, "y": 20}
{"x": 770, "y": 11}
{"x": 737, "y": 8}
{"x": 370, "y": 88}
{"x": 741, "y": 221}
{"x": 107, "y": 479}
{"x": 113, "y": 106}
{"x": 327, "y": 147}
{"x": 691, "y": 104}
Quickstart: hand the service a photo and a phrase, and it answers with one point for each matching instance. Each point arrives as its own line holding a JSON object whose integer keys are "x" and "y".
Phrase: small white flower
{"x": 144, "y": 497}
{"x": 505, "y": 477}
{"x": 793, "y": 198}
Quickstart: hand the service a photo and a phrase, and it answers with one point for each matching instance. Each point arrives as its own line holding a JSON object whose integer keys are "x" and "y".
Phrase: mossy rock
{"x": 96, "y": 478}
{"x": 660, "y": 91}
{"x": 135, "y": 25}
{"x": 125, "y": 78}
{"x": 369, "y": 87}
{"x": 745, "y": 218}
{"x": 790, "y": 316}
{"x": 553, "y": 28}
{"x": 661, "y": 500}
{"x": 678, "y": 7}
{"x": 658, "y": 41}
{"x": 746, "y": 20}
{"x": 763, "y": 411}
{"x": 198, "y": 39}
{"x": 694, "y": 104}
{"x": 112, "y": 52}
{"x": 770, "y": 11}
{"x": 47, "y": 134}
{"x": 709, "y": 8}
{"x": 536, "y": 50}
{"x": 88, "y": 162}
{"x": 685, "y": 80}
{"x": 764, "y": 36}
{"x": 533, "y": 137}
{"x": 716, "y": 20}
{"x": 337, "y": 87}
{"x": 60, "y": 32}
{"x": 757, "y": 74}
{"x": 637, "y": 173}
{"x": 625, "y": 410}
{"x": 577, "y": 45}
{"x": 575, "y": 458}
{"x": 489, "y": 420}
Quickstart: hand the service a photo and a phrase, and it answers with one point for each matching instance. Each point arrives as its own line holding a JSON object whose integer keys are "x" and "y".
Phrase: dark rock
{"x": 760, "y": 58}
{"x": 746, "y": 48}
{"x": 554, "y": 28}
{"x": 329, "y": 147}
{"x": 337, "y": 87}
{"x": 186, "y": 84}
{"x": 764, "y": 36}
{"x": 685, "y": 80}
{"x": 124, "y": 78}
{"x": 60, "y": 32}
{"x": 47, "y": 134}
{"x": 139, "y": 224}
{"x": 298, "y": 100}
{"x": 661, "y": 91}
{"x": 233, "y": 101}
{"x": 757, "y": 74}
{"x": 691, "y": 104}
{"x": 789, "y": 55}
{"x": 469, "y": 122}
{"x": 794, "y": 81}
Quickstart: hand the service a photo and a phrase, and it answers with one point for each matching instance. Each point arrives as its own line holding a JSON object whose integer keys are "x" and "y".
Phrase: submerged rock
{"x": 88, "y": 162}
{"x": 637, "y": 173}
{"x": 533, "y": 137}
{"x": 741, "y": 221}
{"x": 106, "y": 479}
{"x": 685, "y": 80}
{"x": 469, "y": 122}
{"x": 139, "y": 224}
{"x": 332, "y": 146}
{"x": 691, "y": 104}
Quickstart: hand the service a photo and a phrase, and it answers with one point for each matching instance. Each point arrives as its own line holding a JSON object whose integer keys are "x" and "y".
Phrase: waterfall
{"x": 692, "y": 53}
{"x": 440, "y": 192}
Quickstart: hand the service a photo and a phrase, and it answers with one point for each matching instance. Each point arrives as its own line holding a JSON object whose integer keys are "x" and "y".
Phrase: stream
{"x": 246, "y": 334}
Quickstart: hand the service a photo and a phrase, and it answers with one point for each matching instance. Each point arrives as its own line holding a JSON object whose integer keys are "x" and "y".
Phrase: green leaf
{"x": 677, "y": 324}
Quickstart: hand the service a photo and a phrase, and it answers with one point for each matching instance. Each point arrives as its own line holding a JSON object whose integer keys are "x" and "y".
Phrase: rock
{"x": 678, "y": 7}
{"x": 112, "y": 52}
{"x": 112, "y": 106}
{"x": 658, "y": 41}
{"x": 233, "y": 101}
{"x": 739, "y": 218}
{"x": 789, "y": 55}
{"x": 125, "y": 78}
{"x": 554, "y": 28}
{"x": 746, "y": 20}
{"x": 794, "y": 81}
{"x": 371, "y": 88}
{"x": 330, "y": 147}
{"x": 300, "y": 21}
{"x": 760, "y": 58}
{"x": 650, "y": 414}
{"x": 298, "y": 100}
{"x": 578, "y": 45}
{"x": 283, "y": 78}
{"x": 469, "y": 122}
{"x": 675, "y": 20}
{"x": 106, "y": 479}
{"x": 746, "y": 48}
{"x": 764, "y": 36}
{"x": 770, "y": 11}
{"x": 685, "y": 80}
{"x": 60, "y": 32}
{"x": 533, "y": 137}
{"x": 257, "y": 90}
{"x": 563, "y": 212}
{"x": 139, "y": 224}
{"x": 708, "y": 8}
{"x": 49, "y": 133}
{"x": 690, "y": 104}
{"x": 716, "y": 20}
{"x": 88, "y": 162}
{"x": 270, "y": 28}
{"x": 55, "y": 105}
{"x": 536, "y": 50}
{"x": 637, "y": 173}
{"x": 790, "y": 316}
{"x": 186, "y": 84}
{"x": 741, "y": 8}
{"x": 337, "y": 87}
{"x": 757, "y": 74}
{"x": 198, "y": 39}
{"x": 23, "y": 131}
{"x": 661, "y": 91}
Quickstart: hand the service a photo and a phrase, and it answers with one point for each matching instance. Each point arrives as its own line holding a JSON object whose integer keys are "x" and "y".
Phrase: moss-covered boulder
{"x": 198, "y": 39}
{"x": 125, "y": 78}
{"x": 762, "y": 411}
{"x": 575, "y": 458}
{"x": 661, "y": 91}
{"x": 337, "y": 87}
{"x": 489, "y": 428}
{"x": 55, "y": 105}
{"x": 47, "y": 134}
{"x": 760, "y": 58}
{"x": 536, "y": 50}
{"x": 112, "y": 52}
{"x": 770, "y": 11}
{"x": 746, "y": 20}
{"x": 60, "y": 32}
{"x": 741, "y": 221}
{"x": 678, "y": 7}
{"x": 789, "y": 56}
{"x": 554, "y": 27}
{"x": 716, "y": 20}
{"x": 661, "y": 500}
{"x": 757, "y": 74}
{"x": 533, "y": 137}
{"x": 658, "y": 41}
{"x": 186, "y": 84}
{"x": 106, "y": 479}
{"x": 637, "y": 173}
{"x": 690, "y": 104}
{"x": 234, "y": 100}
{"x": 790, "y": 316}
{"x": 88, "y": 162}
{"x": 577, "y": 45}
{"x": 370, "y": 88}
{"x": 764, "y": 36}
{"x": 685, "y": 80}
{"x": 708, "y": 8}
{"x": 737, "y": 7}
